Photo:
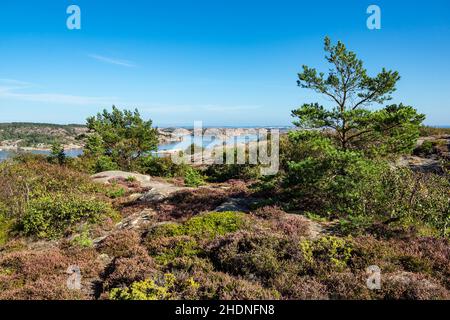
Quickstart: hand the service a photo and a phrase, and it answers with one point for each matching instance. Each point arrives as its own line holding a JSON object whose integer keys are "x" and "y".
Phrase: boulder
{"x": 107, "y": 176}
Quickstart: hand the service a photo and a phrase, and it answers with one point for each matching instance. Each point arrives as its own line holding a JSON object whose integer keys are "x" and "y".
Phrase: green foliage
{"x": 393, "y": 129}
{"x": 51, "y": 216}
{"x": 161, "y": 167}
{"x": 225, "y": 172}
{"x": 153, "y": 290}
{"x": 415, "y": 198}
{"x": 121, "y": 135}
{"x": 105, "y": 163}
{"x": 165, "y": 250}
{"x": 214, "y": 224}
{"x": 38, "y": 134}
{"x": 83, "y": 239}
{"x": 6, "y": 225}
{"x": 332, "y": 251}
{"x": 205, "y": 226}
{"x": 193, "y": 178}
{"x": 57, "y": 154}
{"x": 336, "y": 181}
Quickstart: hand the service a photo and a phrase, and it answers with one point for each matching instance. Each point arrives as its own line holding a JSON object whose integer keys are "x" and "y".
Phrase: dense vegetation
{"x": 339, "y": 204}
{"x": 39, "y": 134}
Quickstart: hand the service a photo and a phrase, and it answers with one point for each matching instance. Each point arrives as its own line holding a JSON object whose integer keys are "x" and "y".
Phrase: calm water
{"x": 207, "y": 142}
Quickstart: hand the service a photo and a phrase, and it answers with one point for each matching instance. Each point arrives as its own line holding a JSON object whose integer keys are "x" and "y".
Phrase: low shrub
{"x": 193, "y": 178}
{"x": 205, "y": 226}
{"x": 261, "y": 256}
{"x": 167, "y": 288}
{"x": 225, "y": 172}
{"x": 161, "y": 167}
{"x": 52, "y": 216}
{"x": 185, "y": 204}
{"x": 164, "y": 250}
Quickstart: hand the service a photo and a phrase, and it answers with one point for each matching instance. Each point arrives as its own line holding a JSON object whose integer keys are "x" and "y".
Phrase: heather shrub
{"x": 41, "y": 275}
{"x": 300, "y": 288}
{"x": 263, "y": 256}
{"x": 125, "y": 270}
{"x": 293, "y": 226}
{"x": 52, "y": 216}
{"x": 165, "y": 250}
{"x": 221, "y": 286}
{"x": 412, "y": 286}
{"x": 269, "y": 212}
{"x": 25, "y": 180}
{"x": 185, "y": 204}
{"x": 347, "y": 286}
{"x": 124, "y": 243}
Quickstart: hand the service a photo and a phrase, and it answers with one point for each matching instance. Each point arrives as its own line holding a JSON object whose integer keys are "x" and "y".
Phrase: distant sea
{"x": 207, "y": 142}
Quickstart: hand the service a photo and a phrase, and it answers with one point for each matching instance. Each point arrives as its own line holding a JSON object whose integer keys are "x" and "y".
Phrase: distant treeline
{"x": 33, "y": 134}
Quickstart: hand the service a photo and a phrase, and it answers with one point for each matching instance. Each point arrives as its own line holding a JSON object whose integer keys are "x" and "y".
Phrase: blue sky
{"x": 224, "y": 62}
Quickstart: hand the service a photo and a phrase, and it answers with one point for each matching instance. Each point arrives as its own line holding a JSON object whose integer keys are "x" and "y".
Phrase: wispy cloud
{"x": 13, "y": 89}
{"x": 169, "y": 109}
{"x": 119, "y": 62}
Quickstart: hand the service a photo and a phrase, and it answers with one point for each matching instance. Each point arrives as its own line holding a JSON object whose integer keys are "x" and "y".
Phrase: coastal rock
{"x": 107, "y": 176}
{"x": 160, "y": 191}
{"x": 420, "y": 164}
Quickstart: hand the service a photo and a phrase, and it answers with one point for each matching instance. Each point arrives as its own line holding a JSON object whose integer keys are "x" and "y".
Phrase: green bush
{"x": 205, "y": 226}
{"x": 214, "y": 224}
{"x": 225, "y": 172}
{"x": 51, "y": 216}
{"x": 165, "y": 250}
{"x": 328, "y": 251}
{"x": 105, "y": 163}
{"x": 5, "y": 226}
{"x": 193, "y": 178}
{"x": 161, "y": 167}
{"x": 331, "y": 181}
{"x": 169, "y": 288}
